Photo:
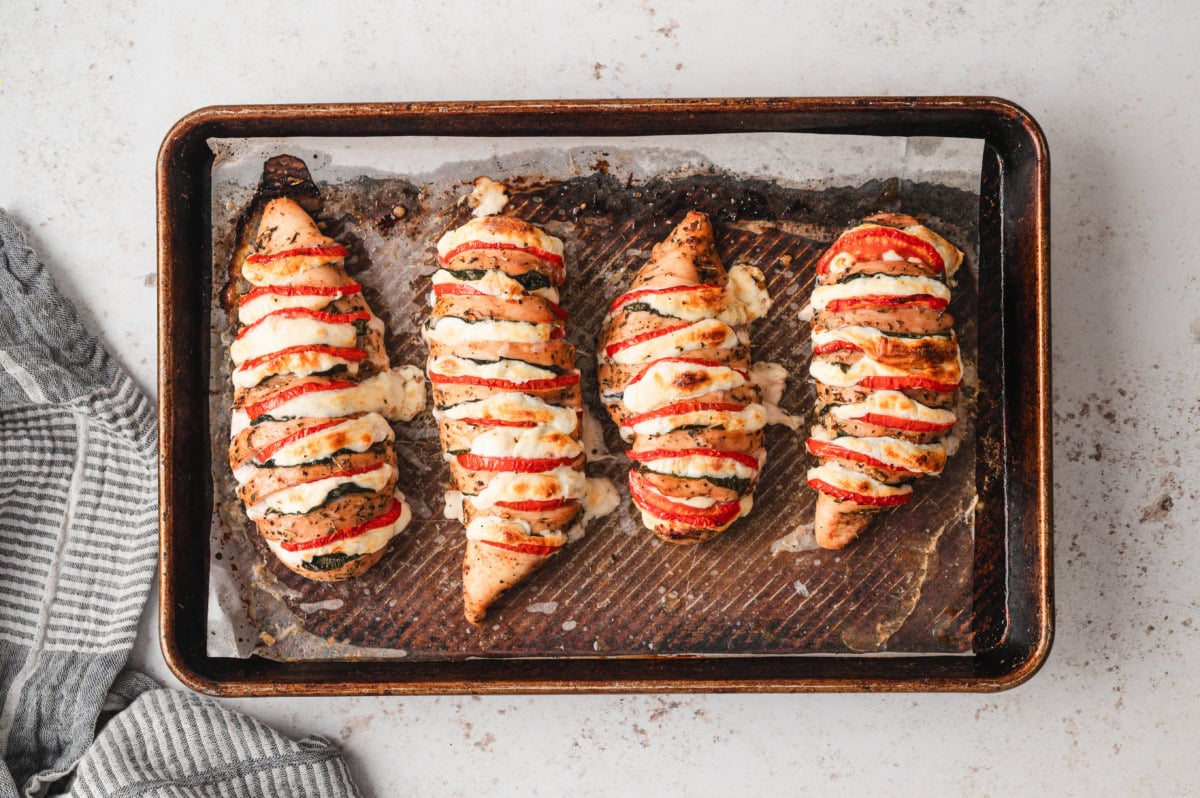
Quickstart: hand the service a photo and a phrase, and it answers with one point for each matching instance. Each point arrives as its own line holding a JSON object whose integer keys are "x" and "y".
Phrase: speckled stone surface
{"x": 87, "y": 93}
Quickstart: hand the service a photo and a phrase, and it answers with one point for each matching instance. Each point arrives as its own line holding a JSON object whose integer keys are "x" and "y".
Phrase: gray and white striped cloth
{"x": 78, "y": 543}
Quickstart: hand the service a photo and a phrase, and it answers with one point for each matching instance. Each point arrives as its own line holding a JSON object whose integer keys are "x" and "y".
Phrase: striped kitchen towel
{"x": 78, "y": 542}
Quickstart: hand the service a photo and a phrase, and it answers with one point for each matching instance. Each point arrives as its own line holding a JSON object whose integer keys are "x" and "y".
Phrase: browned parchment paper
{"x": 776, "y": 200}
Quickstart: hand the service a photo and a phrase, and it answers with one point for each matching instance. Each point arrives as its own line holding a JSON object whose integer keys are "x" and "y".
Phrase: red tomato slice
{"x": 515, "y": 465}
{"x": 650, "y": 455}
{"x": 679, "y": 408}
{"x": 859, "y": 498}
{"x": 619, "y": 346}
{"x": 457, "y": 289}
{"x": 908, "y": 424}
{"x": 836, "y": 346}
{"x": 335, "y": 251}
{"x": 344, "y": 353}
{"x": 305, "y": 313}
{"x": 820, "y": 448}
{"x": 301, "y": 290}
{"x": 535, "y": 506}
{"x": 530, "y": 385}
{"x": 872, "y": 242}
{"x": 537, "y": 550}
{"x": 267, "y": 405}
{"x": 537, "y": 252}
{"x": 625, "y": 299}
{"x": 388, "y": 517}
{"x": 874, "y": 301}
{"x": 718, "y": 515}
{"x": 897, "y": 383}
{"x": 267, "y": 452}
{"x": 694, "y": 361}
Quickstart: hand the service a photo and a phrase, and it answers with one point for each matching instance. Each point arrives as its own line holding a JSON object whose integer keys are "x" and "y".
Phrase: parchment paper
{"x": 392, "y": 197}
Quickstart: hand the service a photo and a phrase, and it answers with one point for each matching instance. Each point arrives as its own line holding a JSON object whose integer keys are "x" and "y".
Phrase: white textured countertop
{"x": 87, "y": 93}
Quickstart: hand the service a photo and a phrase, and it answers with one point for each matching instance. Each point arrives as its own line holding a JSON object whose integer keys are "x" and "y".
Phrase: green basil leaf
{"x": 532, "y": 281}
{"x": 328, "y": 562}
{"x": 468, "y": 275}
{"x": 737, "y": 484}
{"x": 645, "y": 308}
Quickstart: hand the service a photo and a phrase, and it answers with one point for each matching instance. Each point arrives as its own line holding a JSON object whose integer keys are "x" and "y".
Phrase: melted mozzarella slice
{"x": 561, "y": 483}
{"x": 844, "y": 478}
{"x": 452, "y": 331}
{"x": 499, "y": 230}
{"x": 750, "y": 419}
{"x": 514, "y": 407}
{"x": 508, "y": 370}
{"x": 301, "y": 498}
{"x": 493, "y": 527}
{"x": 705, "y": 333}
{"x": 879, "y": 285}
{"x": 869, "y": 339}
{"x": 893, "y": 403}
{"x": 695, "y": 466}
{"x": 530, "y": 443}
{"x": 275, "y": 333}
{"x": 494, "y": 283}
{"x": 705, "y": 302}
{"x": 745, "y": 299}
{"x": 928, "y": 458}
{"x": 397, "y": 394}
{"x": 288, "y": 271}
{"x": 261, "y": 306}
{"x": 503, "y": 530}
{"x": 951, "y": 255}
{"x": 669, "y": 381}
{"x": 367, "y": 543}
{"x": 947, "y": 372}
{"x": 352, "y": 435}
{"x": 300, "y": 364}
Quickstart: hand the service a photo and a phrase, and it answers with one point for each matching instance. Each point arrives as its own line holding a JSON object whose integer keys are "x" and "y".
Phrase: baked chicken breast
{"x": 507, "y": 401}
{"x": 673, "y": 363}
{"x": 887, "y": 368}
{"x": 314, "y": 392}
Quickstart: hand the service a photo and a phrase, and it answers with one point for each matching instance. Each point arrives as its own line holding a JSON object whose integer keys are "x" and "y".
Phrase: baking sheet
{"x": 775, "y": 199}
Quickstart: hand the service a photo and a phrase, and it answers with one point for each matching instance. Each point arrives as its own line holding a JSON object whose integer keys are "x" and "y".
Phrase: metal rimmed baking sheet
{"x": 990, "y": 625}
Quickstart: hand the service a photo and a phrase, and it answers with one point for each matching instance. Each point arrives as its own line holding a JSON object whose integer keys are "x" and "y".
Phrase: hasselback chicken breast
{"x": 311, "y": 445}
{"x": 674, "y": 368}
{"x": 507, "y": 401}
{"x": 887, "y": 368}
